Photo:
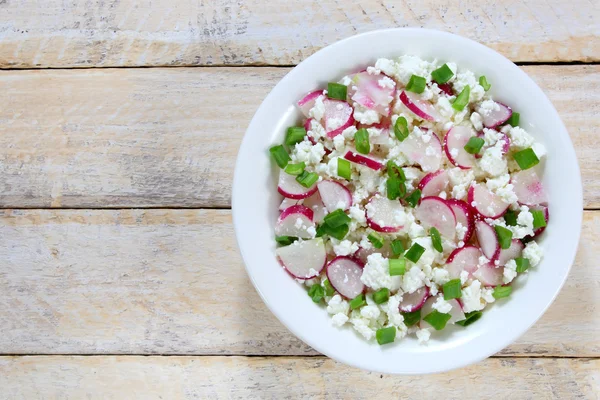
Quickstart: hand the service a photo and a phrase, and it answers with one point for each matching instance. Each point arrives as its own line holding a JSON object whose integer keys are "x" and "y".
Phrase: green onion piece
{"x": 358, "y": 301}
{"x": 511, "y": 218}
{"x": 376, "y": 239}
{"x": 386, "y": 335}
{"x": 452, "y": 289}
{"x": 539, "y": 220}
{"x": 437, "y": 319}
{"x": 416, "y": 84}
{"x": 526, "y": 158}
{"x": 295, "y": 134}
{"x": 415, "y": 252}
{"x": 339, "y": 233}
{"x": 502, "y": 291}
{"x": 280, "y": 156}
{"x": 484, "y": 83}
{"x": 295, "y": 169}
{"x": 381, "y": 296}
{"x": 361, "y": 140}
{"x": 474, "y": 145}
{"x": 316, "y": 292}
{"x": 329, "y": 290}
{"x": 401, "y": 129}
{"x": 337, "y": 91}
{"x": 470, "y": 317}
{"x": 504, "y": 236}
{"x": 397, "y": 266}
{"x": 337, "y": 218}
{"x": 411, "y": 318}
{"x": 522, "y": 264}
{"x": 436, "y": 239}
{"x": 514, "y": 119}
{"x": 394, "y": 171}
{"x": 395, "y": 188}
{"x": 307, "y": 179}
{"x": 413, "y": 198}
{"x": 442, "y": 74}
{"x": 285, "y": 240}
{"x": 462, "y": 99}
{"x": 343, "y": 169}
{"x": 397, "y": 247}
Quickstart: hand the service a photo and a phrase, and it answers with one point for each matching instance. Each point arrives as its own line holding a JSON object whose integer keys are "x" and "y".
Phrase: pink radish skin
{"x": 315, "y": 203}
{"x": 308, "y": 102}
{"x": 334, "y": 195}
{"x": 368, "y": 162}
{"x": 434, "y": 212}
{"x": 288, "y": 203}
{"x": 303, "y": 259}
{"x": 446, "y": 88}
{"x": 290, "y": 188}
{"x": 486, "y": 203}
{"x": 490, "y": 275}
{"x": 336, "y": 111}
{"x": 287, "y": 222}
{"x": 464, "y": 216}
{"x": 528, "y": 188}
{"x": 385, "y": 251}
{"x": 488, "y": 240}
{"x": 421, "y": 108}
{"x": 456, "y": 313}
{"x": 371, "y": 95}
{"x": 344, "y": 275}
{"x": 427, "y": 154}
{"x": 433, "y": 183}
{"x": 463, "y": 259}
{"x": 414, "y": 301}
{"x": 381, "y": 214}
{"x": 307, "y": 125}
{"x": 492, "y": 119}
{"x": 454, "y": 142}
{"x": 514, "y": 251}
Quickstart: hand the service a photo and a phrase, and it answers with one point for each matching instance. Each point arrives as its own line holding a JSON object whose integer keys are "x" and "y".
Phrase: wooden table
{"x": 119, "y": 125}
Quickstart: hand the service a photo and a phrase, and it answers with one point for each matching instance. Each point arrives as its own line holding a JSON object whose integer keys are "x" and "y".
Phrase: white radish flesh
{"x": 338, "y": 116}
{"x": 295, "y": 221}
{"x": 290, "y": 188}
{"x": 528, "y": 188}
{"x": 488, "y": 240}
{"x": 434, "y": 212}
{"x": 334, "y": 195}
{"x": 454, "y": 146}
{"x": 315, "y": 203}
{"x": 464, "y": 216}
{"x": 369, "y": 162}
{"x": 424, "y": 149}
{"x": 496, "y": 116}
{"x": 421, "y": 108}
{"x": 371, "y": 94}
{"x": 501, "y": 137}
{"x": 490, "y": 275}
{"x": 303, "y": 259}
{"x": 433, "y": 183}
{"x": 486, "y": 203}
{"x": 414, "y": 301}
{"x": 384, "y": 215}
{"x": 344, "y": 275}
{"x": 385, "y": 250}
{"x": 456, "y": 314}
{"x": 463, "y": 259}
{"x": 308, "y": 102}
{"x": 514, "y": 251}
{"x": 288, "y": 203}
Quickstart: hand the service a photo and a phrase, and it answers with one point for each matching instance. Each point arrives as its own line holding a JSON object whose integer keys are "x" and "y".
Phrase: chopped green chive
{"x": 316, "y": 292}
{"x": 295, "y": 169}
{"x": 539, "y": 221}
{"x": 484, "y": 83}
{"x": 502, "y": 291}
{"x": 442, "y": 74}
{"x": 394, "y": 171}
{"x": 401, "y": 129}
{"x": 411, "y": 318}
{"x": 295, "y": 134}
{"x": 474, "y": 145}
{"x": 395, "y": 188}
{"x": 307, "y": 179}
{"x": 339, "y": 233}
{"x": 337, "y": 91}
{"x": 397, "y": 266}
{"x": 285, "y": 240}
{"x": 526, "y": 158}
{"x": 436, "y": 239}
{"x": 381, "y": 296}
{"x": 522, "y": 264}
{"x": 337, "y": 218}
{"x": 413, "y": 198}
{"x": 415, "y": 252}
{"x": 416, "y": 84}
{"x": 280, "y": 156}
{"x": 376, "y": 239}
{"x": 470, "y": 318}
{"x": 437, "y": 319}
{"x": 386, "y": 335}
{"x": 361, "y": 140}
{"x": 511, "y": 218}
{"x": 514, "y": 119}
{"x": 452, "y": 289}
{"x": 343, "y": 169}
{"x": 329, "y": 290}
{"x": 462, "y": 99}
{"x": 358, "y": 301}
{"x": 397, "y": 247}
{"x": 504, "y": 236}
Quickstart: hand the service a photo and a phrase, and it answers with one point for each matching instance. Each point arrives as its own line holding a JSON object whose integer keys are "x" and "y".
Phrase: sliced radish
{"x": 433, "y": 183}
{"x": 486, "y": 203}
{"x": 385, "y": 251}
{"x": 290, "y": 188}
{"x": 464, "y": 216}
{"x": 295, "y": 221}
{"x": 414, "y": 301}
{"x": 334, "y": 195}
{"x": 308, "y": 101}
{"x": 454, "y": 146}
{"x": 369, "y": 162}
{"x": 463, "y": 259}
{"x": 337, "y": 117}
{"x": 496, "y": 117}
{"x": 488, "y": 240}
{"x": 528, "y": 188}
{"x": 425, "y": 150}
{"x": 370, "y": 94}
{"x": 514, "y": 251}
{"x": 501, "y": 137}
{"x": 344, "y": 275}
{"x": 288, "y": 203}
{"x": 490, "y": 274}
{"x": 544, "y": 209}
{"x": 446, "y": 88}
{"x": 303, "y": 259}
{"x": 421, "y": 108}
{"x": 315, "y": 203}
{"x": 434, "y": 212}
{"x": 382, "y": 214}
{"x": 456, "y": 313}
{"x": 307, "y": 125}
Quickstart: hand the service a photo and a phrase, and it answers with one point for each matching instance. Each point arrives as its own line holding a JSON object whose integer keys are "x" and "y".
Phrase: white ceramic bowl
{"x": 255, "y": 206}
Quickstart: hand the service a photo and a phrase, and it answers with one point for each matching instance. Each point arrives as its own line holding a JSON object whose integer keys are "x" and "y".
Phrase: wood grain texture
{"x": 168, "y": 137}
{"x": 112, "y": 377}
{"x": 172, "y": 282}
{"x": 98, "y": 33}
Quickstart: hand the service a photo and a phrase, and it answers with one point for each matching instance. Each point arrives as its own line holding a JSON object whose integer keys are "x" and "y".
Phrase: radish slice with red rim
{"x": 369, "y": 162}
{"x": 464, "y": 216}
{"x": 515, "y": 250}
{"x": 414, "y": 301}
{"x": 528, "y": 188}
{"x": 385, "y": 251}
{"x": 488, "y": 240}
{"x": 433, "y": 183}
{"x": 456, "y": 313}
{"x": 337, "y": 117}
{"x": 384, "y": 215}
{"x": 501, "y": 137}
{"x": 295, "y": 221}
{"x": 454, "y": 146}
{"x": 315, "y": 203}
{"x": 288, "y": 203}
{"x": 307, "y": 125}
{"x": 486, "y": 203}
{"x": 424, "y": 149}
{"x": 372, "y": 94}
{"x": 434, "y": 212}
{"x": 290, "y": 188}
{"x": 421, "y": 108}
{"x": 344, "y": 275}
{"x": 334, "y": 195}
{"x": 463, "y": 259}
{"x": 303, "y": 259}
{"x": 308, "y": 101}
{"x": 496, "y": 116}
{"x": 490, "y": 275}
